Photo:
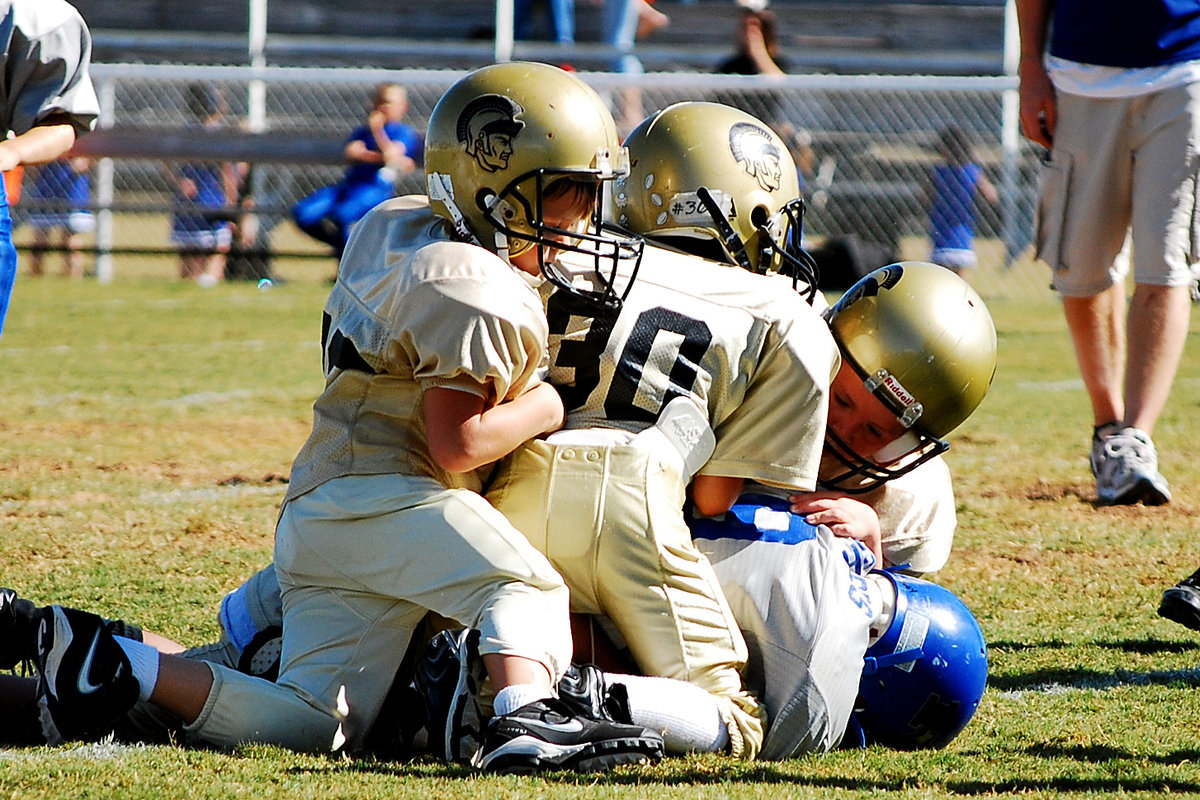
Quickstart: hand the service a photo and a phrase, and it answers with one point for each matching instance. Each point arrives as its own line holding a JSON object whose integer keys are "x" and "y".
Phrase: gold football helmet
{"x": 498, "y": 138}
{"x": 715, "y": 181}
{"x": 924, "y": 343}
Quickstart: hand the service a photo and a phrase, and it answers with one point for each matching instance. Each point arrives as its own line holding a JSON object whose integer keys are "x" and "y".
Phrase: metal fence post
{"x": 105, "y": 172}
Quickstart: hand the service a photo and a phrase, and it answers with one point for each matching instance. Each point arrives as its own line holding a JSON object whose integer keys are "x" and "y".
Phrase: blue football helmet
{"x": 922, "y": 681}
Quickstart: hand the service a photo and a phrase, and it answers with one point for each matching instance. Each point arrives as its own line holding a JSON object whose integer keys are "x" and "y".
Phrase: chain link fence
{"x": 868, "y": 144}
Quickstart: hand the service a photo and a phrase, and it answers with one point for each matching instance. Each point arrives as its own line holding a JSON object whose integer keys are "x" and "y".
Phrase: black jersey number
{"x": 619, "y": 404}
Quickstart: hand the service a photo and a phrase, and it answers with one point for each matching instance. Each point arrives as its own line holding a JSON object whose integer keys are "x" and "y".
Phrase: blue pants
{"x": 328, "y": 214}
{"x": 620, "y": 30}
{"x": 8, "y": 256}
{"x": 562, "y": 20}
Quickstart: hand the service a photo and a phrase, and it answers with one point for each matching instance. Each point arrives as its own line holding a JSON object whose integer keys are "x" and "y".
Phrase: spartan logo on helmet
{"x": 753, "y": 148}
{"x": 487, "y": 126}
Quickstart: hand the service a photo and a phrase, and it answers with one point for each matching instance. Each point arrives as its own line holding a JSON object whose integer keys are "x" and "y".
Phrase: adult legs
{"x": 1097, "y": 326}
{"x": 1156, "y": 332}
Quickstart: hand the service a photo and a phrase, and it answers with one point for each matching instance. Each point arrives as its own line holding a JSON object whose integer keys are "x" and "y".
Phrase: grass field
{"x": 146, "y": 432}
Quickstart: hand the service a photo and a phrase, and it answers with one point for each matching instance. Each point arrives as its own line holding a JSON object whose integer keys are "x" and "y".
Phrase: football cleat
{"x": 18, "y": 625}
{"x": 1181, "y": 603}
{"x": 447, "y": 680}
{"x": 584, "y": 688}
{"x": 262, "y": 656}
{"x": 548, "y": 735}
{"x": 85, "y": 681}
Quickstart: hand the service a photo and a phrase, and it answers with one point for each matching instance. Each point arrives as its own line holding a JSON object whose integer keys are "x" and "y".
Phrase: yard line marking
{"x": 1076, "y": 384}
{"x": 1114, "y": 681}
{"x": 147, "y": 347}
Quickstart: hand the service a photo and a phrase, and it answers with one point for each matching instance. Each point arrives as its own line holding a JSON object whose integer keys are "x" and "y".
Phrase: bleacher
{"x": 962, "y": 37}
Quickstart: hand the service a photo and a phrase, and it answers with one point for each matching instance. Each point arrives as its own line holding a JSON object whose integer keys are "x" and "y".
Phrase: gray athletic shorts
{"x": 1121, "y": 182}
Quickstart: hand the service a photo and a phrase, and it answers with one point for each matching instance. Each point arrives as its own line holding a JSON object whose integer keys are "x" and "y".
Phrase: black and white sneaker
{"x": 585, "y": 689}
{"x": 447, "y": 679}
{"x": 1181, "y": 603}
{"x": 547, "y": 735}
{"x": 18, "y": 627}
{"x": 85, "y": 681}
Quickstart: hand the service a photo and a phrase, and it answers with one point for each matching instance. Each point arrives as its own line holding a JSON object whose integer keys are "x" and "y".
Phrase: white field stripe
{"x": 152, "y": 347}
{"x": 183, "y": 497}
{"x": 210, "y": 493}
{"x": 1076, "y": 385}
{"x": 1114, "y": 681}
{"x": 103, "y": 750}
{"x": 193, "y": 399}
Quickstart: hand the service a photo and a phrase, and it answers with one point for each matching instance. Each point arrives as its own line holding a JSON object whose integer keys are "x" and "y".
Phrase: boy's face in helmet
{"x": 858, "y": 417}
{"x": 567, "y": 204}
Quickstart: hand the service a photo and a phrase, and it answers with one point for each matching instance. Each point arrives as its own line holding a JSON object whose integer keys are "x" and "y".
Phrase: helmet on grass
{"x": 923, "y": 679}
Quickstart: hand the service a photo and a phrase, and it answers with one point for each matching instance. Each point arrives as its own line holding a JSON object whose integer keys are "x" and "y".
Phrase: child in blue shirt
{"x": 59, "y": 200}
{"x": 378, "y": 153}
{"x": 953, "y": 185}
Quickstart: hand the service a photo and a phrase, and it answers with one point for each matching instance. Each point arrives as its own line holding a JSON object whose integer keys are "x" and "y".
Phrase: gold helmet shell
{"x": 687, "y": 148}
{"x": 923, "y": 342}
{"x": 503, "y": 133}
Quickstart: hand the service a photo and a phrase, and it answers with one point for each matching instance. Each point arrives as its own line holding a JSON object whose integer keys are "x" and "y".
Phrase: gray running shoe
{"x": 1126, "y": 469}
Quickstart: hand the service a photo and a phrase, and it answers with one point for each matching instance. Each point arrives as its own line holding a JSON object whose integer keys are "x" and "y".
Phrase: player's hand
{"x": 843, "y": 515}
{"x": 10, "y": 159}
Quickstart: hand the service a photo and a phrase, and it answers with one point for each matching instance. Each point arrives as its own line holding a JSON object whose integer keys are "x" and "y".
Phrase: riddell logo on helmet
{"x": 902, "y": 395}
{"x": 487, "y": 127}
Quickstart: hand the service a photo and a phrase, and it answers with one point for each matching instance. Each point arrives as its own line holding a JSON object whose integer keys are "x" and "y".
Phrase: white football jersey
{"x": 917, "y": 517}
{"x": 413, "y": 309}
{"x": 801, "y": 599}
{"x": 746, "y": 348}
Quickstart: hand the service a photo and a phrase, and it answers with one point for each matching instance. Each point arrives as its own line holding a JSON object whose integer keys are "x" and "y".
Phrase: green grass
{"x": 147, "y": 428}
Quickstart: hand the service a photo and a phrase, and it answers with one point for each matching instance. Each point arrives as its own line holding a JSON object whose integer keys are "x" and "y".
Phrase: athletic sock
{"x": 144, "y": 660}
{"x": 688, "y": 717}
{"x": 510, "y": 698}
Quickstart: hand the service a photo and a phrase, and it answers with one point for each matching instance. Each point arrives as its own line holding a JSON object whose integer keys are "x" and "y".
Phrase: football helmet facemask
{"x": 708, "y": 174}
{"x": 923, "y": 342}
{"x": 923, "y": 679}
{"x": 496, "y": 141}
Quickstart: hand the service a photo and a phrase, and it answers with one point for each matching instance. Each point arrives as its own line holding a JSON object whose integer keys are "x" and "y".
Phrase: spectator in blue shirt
{"x": 953, "y": 186}
{"x": 59, "y": 199}
{"x": 1111, "y": 87}
{"x": 378, "y": 152}
{"x": 200, "y": 217}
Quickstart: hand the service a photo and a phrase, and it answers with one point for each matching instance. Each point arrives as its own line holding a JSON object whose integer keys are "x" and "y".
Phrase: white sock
{"x": 510, "y": 698}
{"x": 144, "y": 660}
{"x": 688, "y": 717}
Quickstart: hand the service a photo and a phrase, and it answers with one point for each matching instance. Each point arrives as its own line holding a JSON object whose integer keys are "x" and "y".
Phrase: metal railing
{"x": 872, "y": 139}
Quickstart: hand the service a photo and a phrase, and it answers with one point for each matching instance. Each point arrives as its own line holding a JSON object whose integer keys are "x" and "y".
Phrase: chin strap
{"x": 728, "y": 235}
{"x": 442, "y": 190}
{"x": 871, "y": 664}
